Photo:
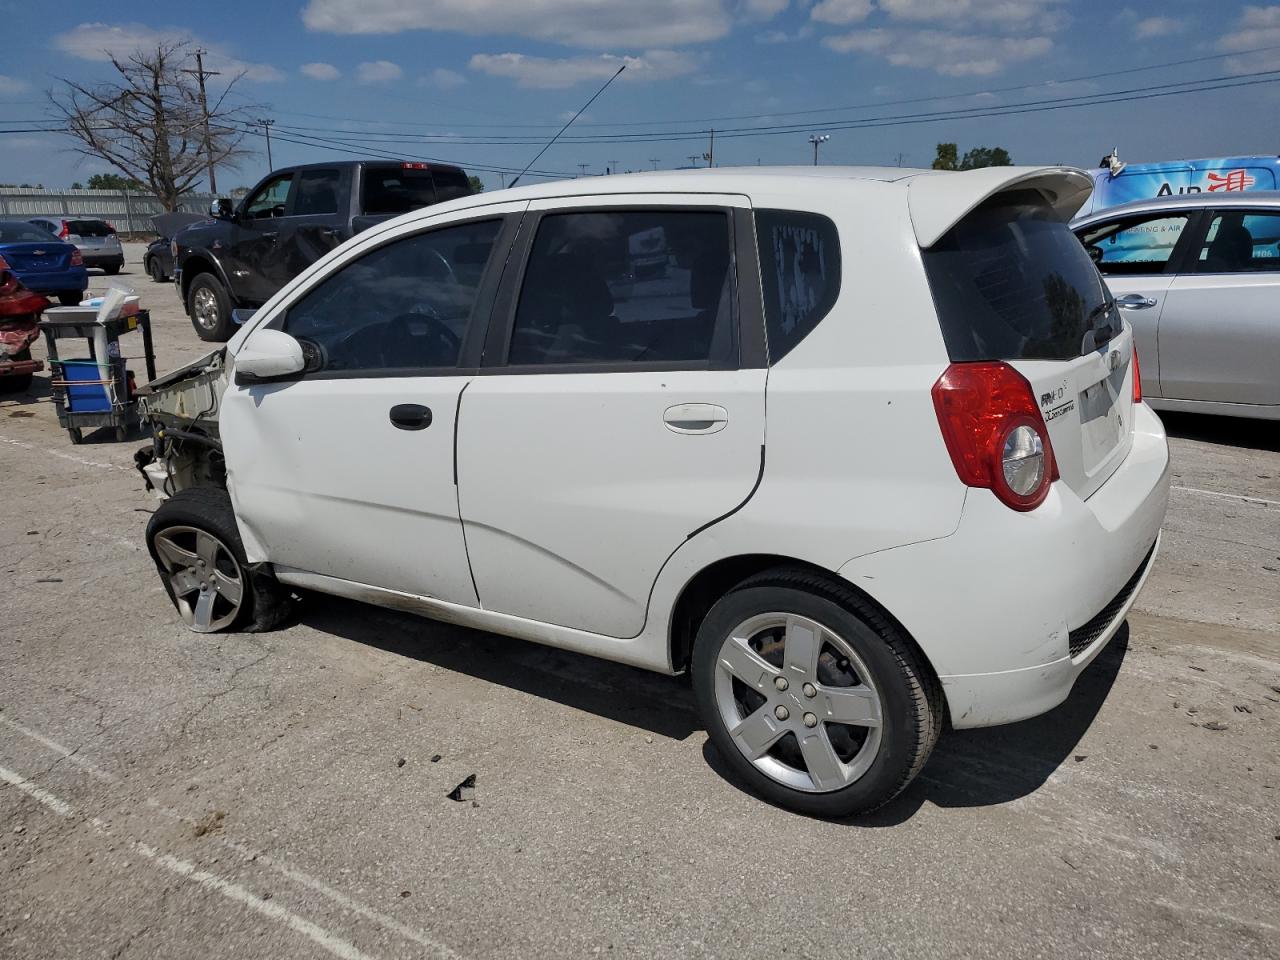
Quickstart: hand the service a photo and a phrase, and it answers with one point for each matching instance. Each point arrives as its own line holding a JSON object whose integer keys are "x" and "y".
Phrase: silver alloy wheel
{"x": 204, "y": 307}
{"x": 207, "y": 582}
{"x": 819, "y": 692}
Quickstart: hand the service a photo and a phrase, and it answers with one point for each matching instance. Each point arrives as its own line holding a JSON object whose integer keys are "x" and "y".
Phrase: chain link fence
{"x": 125, "y": 210}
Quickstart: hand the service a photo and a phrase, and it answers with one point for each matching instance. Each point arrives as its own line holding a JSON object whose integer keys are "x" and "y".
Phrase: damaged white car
{"x": 862, "y": 449}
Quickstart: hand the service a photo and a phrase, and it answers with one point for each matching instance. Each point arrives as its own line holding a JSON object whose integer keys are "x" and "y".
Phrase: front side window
{"x": 1134, "y": 247}
{"x": 642, "y": 286}
{"x": 404, "y": 305}
{"x": 270, "y": 199}
{"x": 800, "y": 273}
{"x": 1241, "y": 242}
{"x": 317, "y": 193}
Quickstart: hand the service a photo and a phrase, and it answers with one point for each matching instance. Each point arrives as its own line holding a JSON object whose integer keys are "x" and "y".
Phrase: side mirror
{"x": 221, "y": 209}
{"x": 268, "y": 355}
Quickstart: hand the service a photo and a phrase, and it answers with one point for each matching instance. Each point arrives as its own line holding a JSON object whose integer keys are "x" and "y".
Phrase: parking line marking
{"x": 189, "y": 871}
{"x": 1228, "y": 496}
{"x": 83, "y": 461}
{"x": 298, "y": 876}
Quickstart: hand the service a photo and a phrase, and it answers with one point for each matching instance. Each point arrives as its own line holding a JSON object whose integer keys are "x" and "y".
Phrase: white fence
{"x": 127, "y": 211}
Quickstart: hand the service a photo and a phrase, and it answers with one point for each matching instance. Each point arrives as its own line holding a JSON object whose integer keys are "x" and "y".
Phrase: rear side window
{"x": 1011, "y": 282}
{"x": 800, "y": 274}
{"x": 89, "y": 228}
{"x": 1134, "y": 246}
{"x": 1241, "y": 242}
{"x": 451, "y": 184}
{"x": 317, "y": 193}
{"x": 396, "y": 189}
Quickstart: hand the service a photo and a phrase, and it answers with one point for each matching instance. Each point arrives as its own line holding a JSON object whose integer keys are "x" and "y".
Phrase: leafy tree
{"x": 980, "y": 157}
{"x": 77, "y": 185}
{"x": 946, "y": 158}
{"x": 113, "y": 181}
{"x": 477, "y": 185}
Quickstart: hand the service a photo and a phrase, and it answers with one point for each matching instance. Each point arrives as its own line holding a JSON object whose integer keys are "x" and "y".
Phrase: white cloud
{"x": 552, "y": 72}
{"x": 9, "y": 86}
{"x": 101, "y": 41}
{"x": 951, "y": 54}
{"x": 581, "y": 23}
{"x": 763, "y": 9}
{"x": 1257, "y": 27}
{"x": 841, "y": 11}
{"x": 320, "y": 71}
{"x": 378, "y": 71}
{"x": 1157, "y": 27}
{"x": 443, "y": 78}
{"x": 1002, "y": 13}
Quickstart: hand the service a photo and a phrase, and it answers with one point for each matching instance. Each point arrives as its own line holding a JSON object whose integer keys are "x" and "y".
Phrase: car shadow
{"x": 1225, "y": 431}
{"x": 969, "y": 768}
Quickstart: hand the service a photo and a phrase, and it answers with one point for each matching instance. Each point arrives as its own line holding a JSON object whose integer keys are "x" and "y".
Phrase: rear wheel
{"x": 71, "y": 298}
{"x": 111, "y": 271}
{"x": 19, "y": 382}
{"x": 815, "y": 699}
{"x": 209, "y": 308}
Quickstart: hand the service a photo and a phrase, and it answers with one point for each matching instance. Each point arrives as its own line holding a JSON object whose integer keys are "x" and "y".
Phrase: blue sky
{"x": 447, "y": 77}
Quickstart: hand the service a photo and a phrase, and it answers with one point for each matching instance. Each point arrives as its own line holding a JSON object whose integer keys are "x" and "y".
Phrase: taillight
{"x": 77, "y": 258}
{"x": 1137, "y": 376}
{"x": 995, "y": 433}
{"x": 414, "y": 166}
{"x": 65, "y": 231}
{"x": 4, "y": 264}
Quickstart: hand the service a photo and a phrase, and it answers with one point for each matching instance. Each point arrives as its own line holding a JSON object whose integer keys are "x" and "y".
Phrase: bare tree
{"x": 150, "y": 122}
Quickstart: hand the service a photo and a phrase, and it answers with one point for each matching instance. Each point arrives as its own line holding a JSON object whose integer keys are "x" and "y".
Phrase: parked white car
{"x": 866, "y": 454}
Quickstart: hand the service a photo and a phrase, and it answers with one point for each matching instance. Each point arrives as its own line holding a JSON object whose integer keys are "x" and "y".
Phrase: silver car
{"x": 1198, "y": 277}
{"x": 95, "y": 239}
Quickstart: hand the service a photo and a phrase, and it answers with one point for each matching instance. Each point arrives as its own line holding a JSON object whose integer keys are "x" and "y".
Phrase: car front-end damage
{"x": 181, "y": 408}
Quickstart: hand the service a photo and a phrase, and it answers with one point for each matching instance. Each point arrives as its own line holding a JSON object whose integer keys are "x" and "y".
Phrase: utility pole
{"x": 582, "y": 167}
{"x": 200, "y": 73}
{"x": 654, "y": 161}
{"x": 693, "y": 159}
{"x": 901, "y": 157}
{"x": 266, "y": 125}
{"x": 710, "y": 155}
{"x": 613, "y": 166}
{"x": 816, "y": 140}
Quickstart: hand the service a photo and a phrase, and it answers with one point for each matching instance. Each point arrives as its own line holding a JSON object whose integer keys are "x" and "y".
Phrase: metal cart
{"x": 99, "y": 391}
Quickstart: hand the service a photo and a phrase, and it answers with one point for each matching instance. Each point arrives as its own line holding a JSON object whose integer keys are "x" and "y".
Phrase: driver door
{"x": 348, "y": 471}
{"x": 255, "y": 251}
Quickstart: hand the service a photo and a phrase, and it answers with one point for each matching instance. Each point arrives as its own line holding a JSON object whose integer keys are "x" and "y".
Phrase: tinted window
{"x": 1133, "y": 247}
{"x": 405, "y": 305}
{"x": 90, "y": 228}
{"x": 12, "y": 231}
{"x": 396, "y": 189}
{"x": 270, "y": 199}
{"x": 800, "y": 272}
{"x": 451, "y": 184}
{"x": 1241, "y": 242}
{"x": 317, "y": 193}
{"x": 623, "y": 287}
{"x": 1011, "y": 282}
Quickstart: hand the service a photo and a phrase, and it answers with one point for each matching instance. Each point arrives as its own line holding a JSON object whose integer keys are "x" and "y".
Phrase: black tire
{"x": 111, "y": 271}
{"x": 265, "y": 602}
{"x": 17, "y": 383}
{"x": 71, "y": 298}
{"x": 912, "y": 703}
{"x": 76, "y": 435}
{"x": 219, "y": 328}
{"x": 157, "y": 272}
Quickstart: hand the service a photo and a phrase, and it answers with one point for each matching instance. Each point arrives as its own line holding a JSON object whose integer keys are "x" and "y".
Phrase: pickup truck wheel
{"x": 156, "y": 271}
{"x": 19, "y": 382}
{"x": 209, "y": 308}
{"x": 111, "y": 271}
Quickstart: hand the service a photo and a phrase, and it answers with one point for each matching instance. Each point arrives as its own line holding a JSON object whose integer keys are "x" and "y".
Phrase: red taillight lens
{"x": 65, "y": 231}
{"x": 414, "y": 166}
{"x": 77, "y": 258}
{"x": 1137, "y": 376}
{"x": 995, "y": 433}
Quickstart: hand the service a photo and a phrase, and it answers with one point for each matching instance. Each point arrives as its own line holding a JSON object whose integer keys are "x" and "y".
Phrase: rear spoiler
{"x": 938, "y": 201}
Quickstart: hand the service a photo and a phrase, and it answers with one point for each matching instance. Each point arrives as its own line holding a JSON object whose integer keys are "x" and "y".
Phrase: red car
{"x": 20, "y": 311}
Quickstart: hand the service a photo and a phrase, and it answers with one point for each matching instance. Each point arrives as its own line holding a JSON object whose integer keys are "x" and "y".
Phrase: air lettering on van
{"x": 1166, "y": 190}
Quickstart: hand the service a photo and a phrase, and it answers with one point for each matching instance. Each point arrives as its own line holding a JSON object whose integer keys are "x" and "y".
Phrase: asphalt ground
{"x": 286, "y": 794}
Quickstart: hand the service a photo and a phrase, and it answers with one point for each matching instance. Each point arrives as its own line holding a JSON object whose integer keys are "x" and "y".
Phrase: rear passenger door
{"x": 619, "y": 408}
{"x": 1220, "y": 329}
{"x": 313, "y": 225}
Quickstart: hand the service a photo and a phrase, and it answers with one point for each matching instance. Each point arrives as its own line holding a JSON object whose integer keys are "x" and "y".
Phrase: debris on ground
{"x": 400, "y": 762}
{"x": 436, "y": 758}
{"x": 1081, "y": 757}
{"x": 209, "y": 822}
{"x": 1196, "y": 669}
{"x": 463, "y": 791}
{"x": 405, "y": 893}
{"x": 1242, "y": 708}
{"x": 1214, "y": 725}
{"x": 49, "y": 580}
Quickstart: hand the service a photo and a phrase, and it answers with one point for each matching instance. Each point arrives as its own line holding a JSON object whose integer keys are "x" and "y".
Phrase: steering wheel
{"x": 401, "y": 348}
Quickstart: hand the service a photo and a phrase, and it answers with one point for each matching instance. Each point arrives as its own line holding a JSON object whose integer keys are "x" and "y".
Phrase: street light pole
{"x": 816, "y": 140}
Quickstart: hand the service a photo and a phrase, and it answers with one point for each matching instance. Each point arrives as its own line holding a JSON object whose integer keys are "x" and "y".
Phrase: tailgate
{"x": 38, "y": 257}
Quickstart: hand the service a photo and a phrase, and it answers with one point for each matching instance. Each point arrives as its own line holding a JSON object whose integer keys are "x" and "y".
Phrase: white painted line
{"x": 189, "y": 871}
{"x": 67, "y": 754}
{"x": 83, "y": 461}
{"x": 1228, "y": 496}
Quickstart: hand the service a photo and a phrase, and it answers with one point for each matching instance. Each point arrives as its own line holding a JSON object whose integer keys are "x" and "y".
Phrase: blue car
{"x": 42, "y": 262}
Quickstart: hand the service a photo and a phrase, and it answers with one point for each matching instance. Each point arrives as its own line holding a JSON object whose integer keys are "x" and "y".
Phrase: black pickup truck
{"x": 245, "y": 253}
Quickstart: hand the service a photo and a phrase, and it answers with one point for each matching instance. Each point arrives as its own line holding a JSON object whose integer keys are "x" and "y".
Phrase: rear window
{"x": 1011, "y": 282}
{"x": 89, "y": 228}
{"x": 395, "y": 189}
{"x": 451, "y": 184}
{"x": 11, "y": 232}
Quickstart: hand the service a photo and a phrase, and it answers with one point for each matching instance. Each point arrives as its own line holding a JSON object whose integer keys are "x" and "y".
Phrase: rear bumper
{"x": 1012, "y": 607}
{"x": 54, "y": 281}
{"x": 114, "y": 259}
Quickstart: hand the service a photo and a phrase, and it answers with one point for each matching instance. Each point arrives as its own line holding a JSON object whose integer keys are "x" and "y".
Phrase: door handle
{"x": 269, "y": 235}
{"x": 695, "y": 418}
{"x": 411, "y": 416}
{"x": 1134, "y": 301}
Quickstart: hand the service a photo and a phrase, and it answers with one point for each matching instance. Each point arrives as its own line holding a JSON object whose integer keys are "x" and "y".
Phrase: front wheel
{"x": 209, "y": 308}
{"x": 156, "y": 270}
{"x": 815, "y": 699}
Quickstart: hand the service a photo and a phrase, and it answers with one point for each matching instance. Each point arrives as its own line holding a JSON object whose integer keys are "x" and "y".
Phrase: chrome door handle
{"x": 1134, "y": 301}
{"x": 695, "y": 418}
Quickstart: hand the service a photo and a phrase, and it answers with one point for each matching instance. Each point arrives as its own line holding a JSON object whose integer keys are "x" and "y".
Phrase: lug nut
{"x": 782, "y": 713}
{"x": 780, "y": 682}
{"x": 810, "y": 720}
{"x": 810, "y": 690}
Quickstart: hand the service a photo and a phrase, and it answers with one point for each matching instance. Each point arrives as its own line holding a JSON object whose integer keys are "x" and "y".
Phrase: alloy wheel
{"x": 207, "y": 580}
{"x": 204, "y": 307}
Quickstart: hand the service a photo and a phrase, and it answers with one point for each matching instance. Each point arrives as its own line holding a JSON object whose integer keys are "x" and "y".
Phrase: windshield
{"x": 1011, "y": 282}
{"x": 14, "y": 232}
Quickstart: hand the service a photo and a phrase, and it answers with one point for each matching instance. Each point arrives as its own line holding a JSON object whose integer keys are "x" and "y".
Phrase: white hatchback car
{"x": 862, "y": 449}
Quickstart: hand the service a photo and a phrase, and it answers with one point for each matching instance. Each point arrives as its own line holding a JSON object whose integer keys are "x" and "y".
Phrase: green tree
{"x": 113, "y": 181}
{"x": 980, "y": 157}
{"x": 77, "y": 185}
{"x": 477, "y": 185}
{"x": 946, "y": 158}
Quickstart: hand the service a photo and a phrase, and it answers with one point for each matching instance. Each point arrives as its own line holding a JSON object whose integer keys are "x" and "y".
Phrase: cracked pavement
{"x": 1119, "y": 825}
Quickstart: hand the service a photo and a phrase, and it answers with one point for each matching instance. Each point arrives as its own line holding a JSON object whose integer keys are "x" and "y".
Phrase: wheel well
{"x": 192, "y": 268}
